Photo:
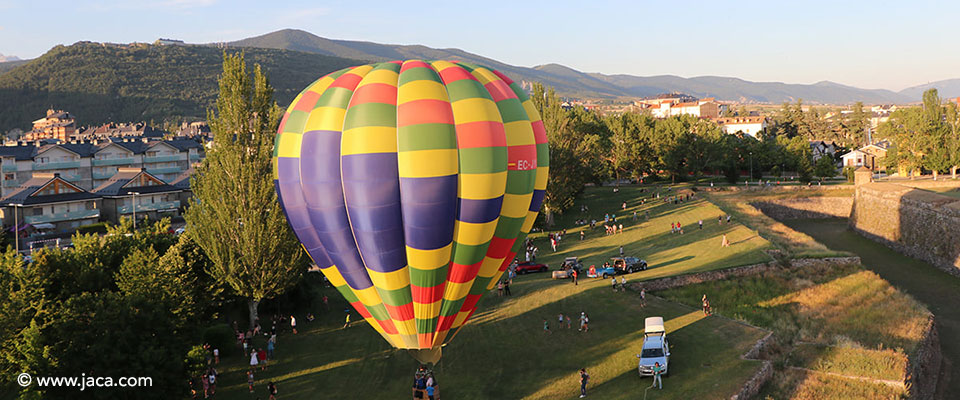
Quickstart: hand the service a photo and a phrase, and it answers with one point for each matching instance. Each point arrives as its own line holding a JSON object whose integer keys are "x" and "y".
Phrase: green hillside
{"x": 99, "y": 83}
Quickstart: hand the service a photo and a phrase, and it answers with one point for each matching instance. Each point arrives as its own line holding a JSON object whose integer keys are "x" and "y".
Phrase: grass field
{"x": 797, "y": 244}
{"x": 935, "y": 288}
{"x": 849, "y": 321}
{"x": 504, "y": 352}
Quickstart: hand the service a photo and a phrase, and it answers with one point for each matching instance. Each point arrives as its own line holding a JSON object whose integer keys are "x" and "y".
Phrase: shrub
{"x": 99, "y": 227}
{"x": 220, "y": 336}
{"x": 849, "y": 173}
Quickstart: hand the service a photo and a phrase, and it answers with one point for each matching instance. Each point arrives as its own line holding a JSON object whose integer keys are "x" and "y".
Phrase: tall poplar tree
{"x": 236, "y": 218}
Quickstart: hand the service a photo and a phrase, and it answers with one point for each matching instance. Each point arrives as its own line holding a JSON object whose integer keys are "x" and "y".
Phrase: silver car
{"x": 655, "y": 349}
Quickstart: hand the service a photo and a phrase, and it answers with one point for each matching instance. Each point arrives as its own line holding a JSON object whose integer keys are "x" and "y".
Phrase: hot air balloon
{"x": 412, "y": 185}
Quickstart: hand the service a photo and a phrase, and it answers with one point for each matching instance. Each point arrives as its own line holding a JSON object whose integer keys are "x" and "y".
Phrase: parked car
{"x": 567, "y": 267}
{"x": 530, "y": 266}
{"x": 604, "y": 271}
{"x": 655, "y": 349}
{"x": 628, "y": 265}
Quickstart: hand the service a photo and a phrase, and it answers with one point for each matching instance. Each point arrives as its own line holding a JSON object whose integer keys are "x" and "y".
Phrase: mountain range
{"x": 102, "y": 82}
{"x": 570, "y": 82}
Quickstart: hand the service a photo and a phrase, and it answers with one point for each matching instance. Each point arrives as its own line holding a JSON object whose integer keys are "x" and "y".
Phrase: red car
{"x": 531, "y": 266}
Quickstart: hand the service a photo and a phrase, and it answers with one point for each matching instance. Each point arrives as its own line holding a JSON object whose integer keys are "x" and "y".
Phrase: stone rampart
{"x": 915, "y": 222}
{"x": 806, "y": 207}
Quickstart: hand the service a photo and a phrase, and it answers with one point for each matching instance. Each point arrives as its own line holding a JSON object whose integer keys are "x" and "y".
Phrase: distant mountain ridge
{"x": 570, "y": 82}
{"x": 4, "y": 58}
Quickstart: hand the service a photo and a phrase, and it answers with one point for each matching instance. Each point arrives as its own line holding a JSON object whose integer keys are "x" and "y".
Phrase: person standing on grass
{"x": 701, "y": 224}
{"x": 270, "y": 348}
{"x": 254, "y": 360}
{"x": 546, "y": 326}
{"x": 657, "y": 370}
{"x": 719, "y": 219}
{"x": 643, "y": 297}
{"x": 584, "y": 378}
{"x": 621, "y": 228}
{"x": 569, "y": 325}
{"x": 346, "y": 323}
{"x": 728, "y": 219}
{"x": 621, "y": 251}
{"x": 635, "y": 213}
{"x": 272, "y": 389}
{"x": 506, "y": 287}
{"x": 293, "y": 324}
{"x": 206, "y": 385}
{"x": 262, "y": 358}
{"x": 216, "y": 356}
{"x": 705, "y": 303}
{"x": 724, "y": 242}
{"x": 623, "y": 283}
{"x": 560, "y": 320}
{"x": 613, "y": 284}
{"x": 574, "y": 277}
{"x": 250, "y": 379}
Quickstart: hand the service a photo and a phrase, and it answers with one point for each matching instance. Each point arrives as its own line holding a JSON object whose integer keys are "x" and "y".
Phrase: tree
{"x": 953, "y": 137}
{"x": 934, "y": 135}
{"x": 236, "y": 218}
{"x": 825, "y": 168}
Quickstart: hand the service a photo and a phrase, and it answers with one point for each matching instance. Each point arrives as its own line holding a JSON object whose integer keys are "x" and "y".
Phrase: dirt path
{"x": 939, "y": 291}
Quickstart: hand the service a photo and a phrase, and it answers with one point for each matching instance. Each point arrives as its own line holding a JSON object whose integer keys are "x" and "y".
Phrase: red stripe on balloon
{"x": 471, "y": 301}
{"x": 445, "y": 322}
{"x": 502, "y": 76}
{"x": 374, "y": 93}
{"x": 400, "y": 313}
{"x": 500, "y": 91}
{"x": 426, "y": 111}
{"x": 388, "y": 326}
{"x": 539, "y": 132}
{"x": 522, "y": 157}
{"x": 347, "y": 81}
{"x": 499, "y": 247}
{"x": 481, "y": 134}
{"x": 413, "y": 64}
{"x": 463, "y": 273}
{"x": 427, "y": 295}
{"x": 361, "y": 309}
{"x": 455, "y": 73}
{"x": 283, "y": 122}
{"x": 307, "y": 102}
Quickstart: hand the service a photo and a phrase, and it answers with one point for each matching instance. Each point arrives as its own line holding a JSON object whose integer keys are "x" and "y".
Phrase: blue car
{"x": 602, "y": 272}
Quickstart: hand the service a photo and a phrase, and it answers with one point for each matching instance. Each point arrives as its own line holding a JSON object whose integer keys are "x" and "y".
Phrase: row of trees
{"x": 586, "y": 147}
{"x": 926, "y": 137}
{"x": 137, "y": 303}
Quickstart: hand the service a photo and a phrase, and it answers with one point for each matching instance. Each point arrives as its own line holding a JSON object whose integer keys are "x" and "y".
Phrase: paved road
{"x": 939, "y": 291}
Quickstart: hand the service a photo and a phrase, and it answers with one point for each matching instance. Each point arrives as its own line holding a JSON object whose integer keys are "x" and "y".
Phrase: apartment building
{"x": 135, "y": 191}
{"x": 89, "y": 164}
{"x": 49, "y": 202}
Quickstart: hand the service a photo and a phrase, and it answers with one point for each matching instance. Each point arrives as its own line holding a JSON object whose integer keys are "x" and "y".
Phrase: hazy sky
{"x": 869, "y": 44}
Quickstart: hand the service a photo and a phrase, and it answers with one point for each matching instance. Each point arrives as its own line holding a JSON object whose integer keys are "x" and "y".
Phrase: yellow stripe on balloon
{"x": 369, "y": 139}
{"x": 429, "y": 259}
{"x": 474, "y": 110}
{"x": 472, "y": 234}
{"x": 369, "y": 296}
{"x": 289, "y": 145}
{"x": 420, "y": 90}
{"x": 519, "y": 133}
{"x": 456, "y": 290}
{"x": 528, "y": 222}
{"x": 489, "y": 267}
{"x": 484, "y": 75}
{"x": 384, "y": 76}
{"x": 390, "y": 280}
{"x": 333, "y": 274}
{"x": 428, "y": 163}
{"x": 542, "y": 176}
{"x": 325, "y": 119}
{"x": 515, "y": 205}
{"x": 482, "y": 186}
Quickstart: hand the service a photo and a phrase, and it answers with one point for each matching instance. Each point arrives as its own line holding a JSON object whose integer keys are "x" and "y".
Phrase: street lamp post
{"x": 134, "y": 205}
{"x": 16, "y": 226}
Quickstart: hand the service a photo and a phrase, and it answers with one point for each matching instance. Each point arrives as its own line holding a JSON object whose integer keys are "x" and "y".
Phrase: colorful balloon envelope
{"x": 412, "y": 185}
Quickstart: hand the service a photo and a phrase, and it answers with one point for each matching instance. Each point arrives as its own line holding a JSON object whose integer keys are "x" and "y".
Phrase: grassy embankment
{"x": 845, "y": 320}
{"x": 504, "y": 353}
{"x": 795, "y": 244}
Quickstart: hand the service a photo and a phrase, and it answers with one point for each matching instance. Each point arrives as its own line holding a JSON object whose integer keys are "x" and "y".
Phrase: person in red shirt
{"x": 262, "y": 356}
